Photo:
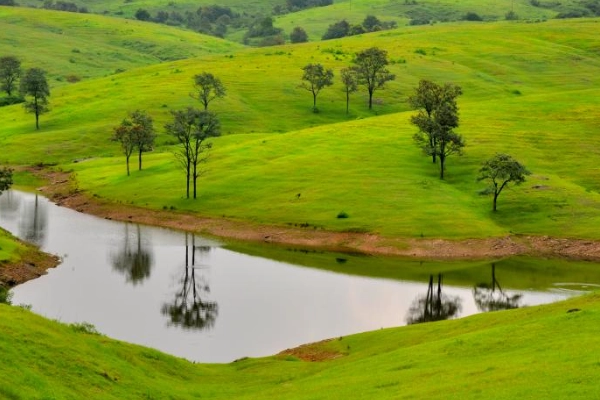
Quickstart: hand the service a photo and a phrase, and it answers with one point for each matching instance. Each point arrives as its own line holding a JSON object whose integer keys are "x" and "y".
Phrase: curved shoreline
{"x": 60, "y": 190}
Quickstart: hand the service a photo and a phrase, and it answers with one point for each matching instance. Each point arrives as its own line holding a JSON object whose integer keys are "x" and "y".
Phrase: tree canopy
{"x": 35, "y": 85}
{"x": 501, "y": 170}
{"x": 192, "y": 128}
{"x": 10, "y": 71}
{"x": 315, "y": 78}
{"x": 436, "y": 119}
{"x": 371, "y": 71}
{"x": 208, "y": 87}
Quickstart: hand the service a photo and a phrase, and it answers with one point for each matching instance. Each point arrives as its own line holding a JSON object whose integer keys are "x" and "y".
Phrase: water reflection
{"x": 434, "y": 306}
{"x": 134, "y": 259}
{"x": 190, "y": 309}
{"x": 34, "y": 220}
{"x": 491, "y": 297}
{"x": 10, "y": 204}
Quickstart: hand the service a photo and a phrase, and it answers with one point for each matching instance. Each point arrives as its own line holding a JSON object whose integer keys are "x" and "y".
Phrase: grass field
{"x": 529, "y": 90}
{"x": 536, "y": 352}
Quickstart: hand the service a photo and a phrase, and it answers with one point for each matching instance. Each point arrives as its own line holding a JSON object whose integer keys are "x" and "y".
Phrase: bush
{"x": 298, "y": 35}
{"x": 5, "y": 295}
{"x": 10, "y": 100}
{"x": 471, "y": 16}
{"x": 343, "y": 214}
{"x": 338, "y": 30}
{"x": 511, "y": 16}
{"x": 84, "y": 327}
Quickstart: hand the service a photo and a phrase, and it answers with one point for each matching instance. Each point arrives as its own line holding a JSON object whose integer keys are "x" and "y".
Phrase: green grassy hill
{"x": 529, "y": 90}
{"x": 536, "y": 352}
{"x": 89, "y": 46}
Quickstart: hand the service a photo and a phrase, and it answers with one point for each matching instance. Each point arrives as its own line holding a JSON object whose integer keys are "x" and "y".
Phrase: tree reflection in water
{"x": 34, "y": 221}
{"x": 9, "y": 204}
{"x": 434, "y": 306}
{"x": 134, "y": 259}
{"x": 189, "y": 308}
{"x": 491, "y": 297}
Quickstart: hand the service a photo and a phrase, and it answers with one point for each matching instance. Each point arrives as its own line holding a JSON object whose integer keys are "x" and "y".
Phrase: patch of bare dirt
{"x": 61, "y": 190}
{"x": 312, "y": 352}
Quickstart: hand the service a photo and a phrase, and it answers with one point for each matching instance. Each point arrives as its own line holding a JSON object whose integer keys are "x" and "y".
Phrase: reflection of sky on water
{"x": 120, "y": 276}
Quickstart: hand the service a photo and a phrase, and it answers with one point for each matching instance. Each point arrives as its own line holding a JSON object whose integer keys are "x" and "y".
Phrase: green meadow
{"x": 530, "y": 89}
{"x": 535, "y": 352}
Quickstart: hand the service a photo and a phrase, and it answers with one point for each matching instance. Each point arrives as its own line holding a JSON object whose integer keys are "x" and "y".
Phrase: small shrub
{"x": 84, "y": 327}
{"x": 5, "y": 296}
{"x": 471, "y": 16}
{"x": 75, "y": 51}
{"x": 421, "y": 51}
{"x": 511, "y": 16}
{"x": 10, "y": 100}
{"x": 73, "y": 78}
{"x": 343, "y": 214}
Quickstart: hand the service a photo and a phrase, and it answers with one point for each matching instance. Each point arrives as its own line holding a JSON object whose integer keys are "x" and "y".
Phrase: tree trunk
{"x": 140, "y": 159}
{"x": 187, "y": 179}
{"x": 37, "y": 113}
{"x": 370, "y": 99}
{"x": 442, "y": 162}
{"x": 314, "y": 102}
{"x": 195, "y": 176}
{"x": 347, "y": 101}
{"x": 495, "y": 199}
{"x": 127, "y": 161}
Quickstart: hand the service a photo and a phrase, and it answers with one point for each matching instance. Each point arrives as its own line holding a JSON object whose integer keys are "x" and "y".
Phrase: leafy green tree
{"x": 371, "y": 71}
{"x": 208, "y": 87}
{"x": 6, "y": 180}
{"x": 142, "y": 15}
{"x": 501, "y": 170}
{"x": 371, "y": 23}
{"x": 135, "y": 132}
{"x": 315, "y": 78}
{"x": 427, "y": 98}
{"x": 337, "y": 30}
{"x": 193, "y": 128}
{"x": 298, "y": 35}
{"x": 10, "y": 71}
{"x": 35, "y": 85}
{"x": 350, "y": 84}
{"x": 445, "y": 141}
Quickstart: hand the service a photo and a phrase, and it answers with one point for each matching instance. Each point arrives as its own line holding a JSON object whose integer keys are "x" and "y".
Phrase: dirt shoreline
{"x": 60, "y": 189}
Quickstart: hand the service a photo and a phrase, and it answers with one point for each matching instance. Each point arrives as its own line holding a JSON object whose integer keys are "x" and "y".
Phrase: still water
{"x": 131, "y": 282}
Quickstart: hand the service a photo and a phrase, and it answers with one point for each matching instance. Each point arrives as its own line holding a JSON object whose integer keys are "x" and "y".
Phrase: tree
{"x": 445, "y": 140}
{"x": 315, "y": 78}
{"x": 10, "y": 71}
{"x": 500, "y": 170}
{"x": 350, "y": 84}
{"x": 34, "y": 84}
{"x": 337, "y": 30}
{"x": 5, "y": 179}
{"x": 192, "y": 128}
{"x": 371, "y": 23}
{"x": 208, "y": 87}
{"x": 142, "y": 15}
{"x": 371, "y": 71}
{"x": 298, "y": 35}
{"x": 134, "y": 259}
{"x": 428, "y": 97}
{"x": 135, "y": 132}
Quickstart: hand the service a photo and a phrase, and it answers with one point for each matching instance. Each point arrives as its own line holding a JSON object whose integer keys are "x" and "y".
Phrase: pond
{"x": 195, "y": 298}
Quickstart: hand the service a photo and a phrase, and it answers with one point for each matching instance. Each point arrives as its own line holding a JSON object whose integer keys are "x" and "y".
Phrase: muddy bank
{"x": 33, "y": 263}
{"x": 60, "y": 190}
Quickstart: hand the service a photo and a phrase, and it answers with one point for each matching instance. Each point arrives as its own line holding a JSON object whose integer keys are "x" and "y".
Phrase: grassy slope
{"x": 91, "y": 45}
{"x": 555, "y": 71}
{"x": 502, "y": 355}
{"x": 529, "y": 90}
